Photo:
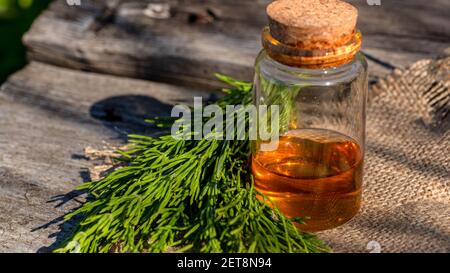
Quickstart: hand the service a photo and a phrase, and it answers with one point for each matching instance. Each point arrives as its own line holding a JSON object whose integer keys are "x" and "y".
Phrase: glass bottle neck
{"x": 311, "y": 59}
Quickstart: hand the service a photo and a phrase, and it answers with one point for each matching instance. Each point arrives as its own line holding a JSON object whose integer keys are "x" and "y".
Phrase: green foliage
{"x": 184, "y": 195}
{"x": 277, "y": 93}
{"x": 16, "y": 17}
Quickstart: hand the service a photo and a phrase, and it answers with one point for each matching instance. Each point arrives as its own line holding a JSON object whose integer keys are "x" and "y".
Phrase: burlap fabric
{"x": 407, "y": 181}
{"x": 406, "y": 195}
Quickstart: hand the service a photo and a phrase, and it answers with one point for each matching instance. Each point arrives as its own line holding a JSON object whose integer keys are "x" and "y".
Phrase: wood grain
{"x": 195, "y": 39}
{"x": 50, "y": 112}
{"x": 48, "y": 116}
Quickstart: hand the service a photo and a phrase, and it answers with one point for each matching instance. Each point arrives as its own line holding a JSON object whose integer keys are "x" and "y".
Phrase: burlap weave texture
{"x": 406, "y": 195}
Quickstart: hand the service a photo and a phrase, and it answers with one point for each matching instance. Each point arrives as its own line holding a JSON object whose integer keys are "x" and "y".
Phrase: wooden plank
{"x": 186, "y": 41}
{"x": 48, "y": 116}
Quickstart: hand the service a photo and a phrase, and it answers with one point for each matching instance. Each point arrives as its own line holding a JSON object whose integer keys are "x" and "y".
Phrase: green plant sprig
{"x": 184, "y": 195}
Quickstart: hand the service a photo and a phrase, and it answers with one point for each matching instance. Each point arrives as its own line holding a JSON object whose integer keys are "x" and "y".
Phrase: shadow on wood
{"x": 127, "y": 114}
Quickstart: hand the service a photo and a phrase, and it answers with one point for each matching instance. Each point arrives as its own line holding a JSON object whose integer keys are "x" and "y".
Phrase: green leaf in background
{"x": 25, "y": 4}
{"x": 16, "y": 17}
{"x": 4, "y": 5}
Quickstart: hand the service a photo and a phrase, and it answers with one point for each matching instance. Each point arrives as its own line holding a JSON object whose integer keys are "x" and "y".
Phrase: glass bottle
{"x": 316, "y": 170}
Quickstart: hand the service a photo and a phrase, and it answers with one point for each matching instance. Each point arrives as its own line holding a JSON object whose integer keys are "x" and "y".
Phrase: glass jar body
{"x": 315, "y": 169}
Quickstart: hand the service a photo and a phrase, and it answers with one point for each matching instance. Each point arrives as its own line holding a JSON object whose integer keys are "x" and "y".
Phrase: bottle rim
{"x": 311, "y": 58}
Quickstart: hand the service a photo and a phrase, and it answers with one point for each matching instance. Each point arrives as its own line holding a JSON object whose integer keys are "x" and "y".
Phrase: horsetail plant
{"x": 177, "y": 195}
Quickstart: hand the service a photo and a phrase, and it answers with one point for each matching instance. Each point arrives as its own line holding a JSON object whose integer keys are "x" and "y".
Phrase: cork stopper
{"x": 312, "y": 24}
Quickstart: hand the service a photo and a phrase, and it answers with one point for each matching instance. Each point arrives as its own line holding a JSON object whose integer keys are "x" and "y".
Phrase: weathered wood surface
{"x": 48, "y": 116}
{"x": 187, "y": 41}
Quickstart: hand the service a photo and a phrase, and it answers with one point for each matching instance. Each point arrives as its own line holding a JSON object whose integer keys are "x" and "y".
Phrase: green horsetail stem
{"x": 184, "y": 196}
